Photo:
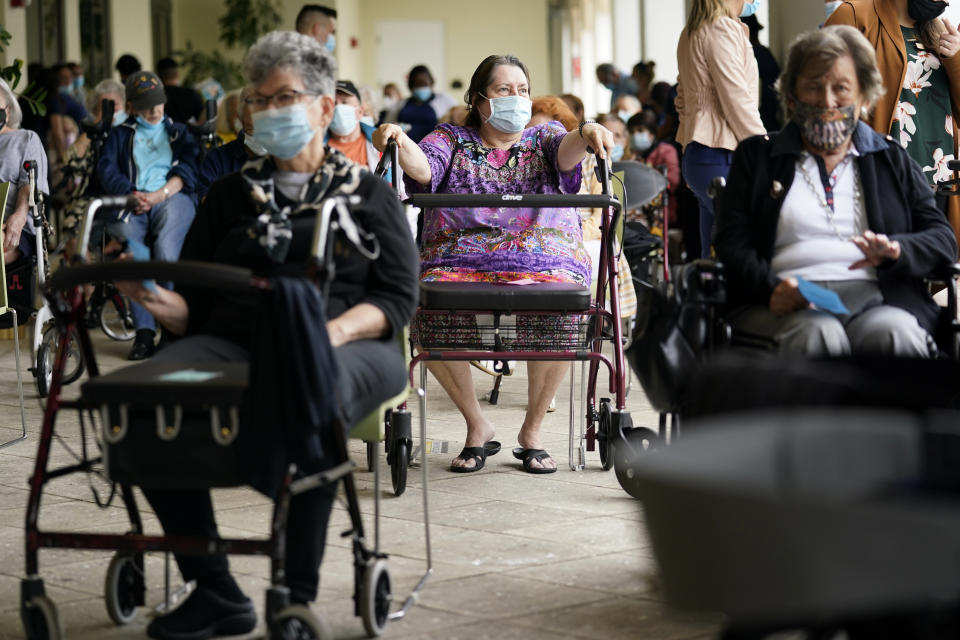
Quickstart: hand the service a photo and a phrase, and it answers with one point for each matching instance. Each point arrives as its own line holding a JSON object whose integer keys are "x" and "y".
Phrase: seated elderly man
{"x": 347, "y": 134}
{"x": 155, "y": 159}
{"x": 829, "y": 203}
{"x": 291, "y": 82}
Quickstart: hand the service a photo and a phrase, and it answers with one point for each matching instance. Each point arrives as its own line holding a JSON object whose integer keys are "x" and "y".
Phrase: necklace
{"x": 821, "y": 195}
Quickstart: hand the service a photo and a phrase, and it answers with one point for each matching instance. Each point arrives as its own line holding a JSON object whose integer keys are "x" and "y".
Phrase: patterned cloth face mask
{"x": 825, "y": 129}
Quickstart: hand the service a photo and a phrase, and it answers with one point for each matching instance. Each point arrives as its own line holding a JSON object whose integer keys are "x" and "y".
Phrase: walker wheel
{"x": 116, "y": 317}
{"x": 46, "y": 358}
{"x": 375, "y": 598}
{"x": 371, "y": 453}
{"x": 636, "y": 442}
{"x": 298, "y": 622}
{"x": 605, "y": 435}
{"x": 398, "y": 466}
{"x": 123, "y": 588}
{"x": 41, "y": 620}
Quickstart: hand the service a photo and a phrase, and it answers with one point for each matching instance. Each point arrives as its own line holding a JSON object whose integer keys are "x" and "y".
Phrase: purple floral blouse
{"x": 497, "y": 245}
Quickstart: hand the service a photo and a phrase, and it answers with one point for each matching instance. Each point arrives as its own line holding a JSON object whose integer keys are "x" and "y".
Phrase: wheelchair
{"x": 497, "y": 310}
{"x": 191, "y": 411}
{"x": 688, "y": 330}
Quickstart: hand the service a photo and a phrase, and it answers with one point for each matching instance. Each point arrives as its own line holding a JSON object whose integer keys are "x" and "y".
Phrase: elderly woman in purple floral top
{"x": 495, "y": 152}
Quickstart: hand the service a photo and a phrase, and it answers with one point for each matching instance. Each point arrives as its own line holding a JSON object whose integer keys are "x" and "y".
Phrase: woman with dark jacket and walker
{"x": 247, "y": 219}
{"x": 829, "y": 204}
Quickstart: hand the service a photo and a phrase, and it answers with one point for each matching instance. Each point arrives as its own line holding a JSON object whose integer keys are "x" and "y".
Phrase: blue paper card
{"x": 821, "y": 298}
{"x": 141, "y": 253}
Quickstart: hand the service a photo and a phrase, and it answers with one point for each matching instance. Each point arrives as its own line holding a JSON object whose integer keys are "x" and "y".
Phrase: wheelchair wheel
{"x": 47, "y": 355}
{"x": 41, "y": 620}
{"x": 298, "y": 622}
{"x": 398, "y": 467}
{"x": 123, "y": 588}
{"x": 375, "y": 598}
{"x": 636, "y": 442}
{"x": 116, "y": 317}
{"x": 605, "y": 436}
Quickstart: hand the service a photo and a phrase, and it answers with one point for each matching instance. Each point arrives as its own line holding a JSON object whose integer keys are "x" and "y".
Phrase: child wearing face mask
{"x": 917, "y": 56}
{"x": 646, "y": 148}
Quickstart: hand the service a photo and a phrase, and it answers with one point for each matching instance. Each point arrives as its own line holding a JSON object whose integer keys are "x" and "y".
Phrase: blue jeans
{"x": 701, "y": 165}
{"x": 163, "y": 229}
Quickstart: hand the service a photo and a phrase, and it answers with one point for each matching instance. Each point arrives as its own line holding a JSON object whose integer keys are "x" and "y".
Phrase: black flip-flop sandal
{"x": 492, "y": 447}
{"x": 529, "y": 455}
{"x": 477, "y": 454}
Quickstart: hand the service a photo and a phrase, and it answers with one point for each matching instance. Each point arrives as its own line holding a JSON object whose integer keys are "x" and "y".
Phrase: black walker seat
{"x": 188, "y": 412}
{"x": 507, "y": 298}
{"x": 816, "y": 518}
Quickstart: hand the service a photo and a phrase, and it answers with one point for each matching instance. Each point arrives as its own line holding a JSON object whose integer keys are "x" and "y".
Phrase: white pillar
{"x": 15, "y": 21}
{"x": 71, "y": 28}
{"x": 131, "y": 30}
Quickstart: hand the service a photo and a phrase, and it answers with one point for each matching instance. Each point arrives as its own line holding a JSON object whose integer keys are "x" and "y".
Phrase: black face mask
{"x": 924, "y": 11}
{"x": 3, "y": 118}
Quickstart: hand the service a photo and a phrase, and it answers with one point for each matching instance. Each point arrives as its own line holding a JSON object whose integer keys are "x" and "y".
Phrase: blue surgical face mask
{"x": 422, "y": 93}
{"x": 78, "y": 83}
{"x": 616, "y": 153}
{"x": 344, "y": 119}
{"x": 830, "y": 7}
{"x": 750, "y": 8}
{"x": 119, "y": 117}
{"x": 624, "y": 115}
{"x": 65, "y": 89}
{"x": 368, "y": 120}
{"x": 283, "y": 132}
{"x": 641, "y": 141}
{"x": 146, "y": 125}
{"x": 255, "y": 147}
{"x": 331, "y": 43}
{"x": 509, "y": 114}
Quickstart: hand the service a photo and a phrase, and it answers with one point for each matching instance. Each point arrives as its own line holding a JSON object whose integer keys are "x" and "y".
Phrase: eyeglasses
{"x": 282, "y": 99}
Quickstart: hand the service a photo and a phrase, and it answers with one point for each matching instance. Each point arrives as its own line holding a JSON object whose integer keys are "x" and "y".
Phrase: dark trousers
{"x": 371, "y": 371}
{"x": 701, "y": 164}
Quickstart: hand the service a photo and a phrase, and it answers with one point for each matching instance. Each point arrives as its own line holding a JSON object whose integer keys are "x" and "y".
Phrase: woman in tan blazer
{"x": 718, "y": 96}
{"x": 917, "y": 56}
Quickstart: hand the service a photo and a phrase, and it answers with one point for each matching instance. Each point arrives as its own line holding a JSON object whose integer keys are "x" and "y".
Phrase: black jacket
{"x": 390, "y": 282}
{"x": 899, "y": 203}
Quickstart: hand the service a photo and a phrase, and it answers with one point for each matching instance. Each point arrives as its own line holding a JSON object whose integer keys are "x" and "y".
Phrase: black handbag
{"x": 21, "y": 277}
{"x": 681, "y": 326}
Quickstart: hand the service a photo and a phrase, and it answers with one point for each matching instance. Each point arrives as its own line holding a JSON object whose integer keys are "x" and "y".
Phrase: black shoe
{"x": 143, "y": 346}
{"x": 202, "y": 615}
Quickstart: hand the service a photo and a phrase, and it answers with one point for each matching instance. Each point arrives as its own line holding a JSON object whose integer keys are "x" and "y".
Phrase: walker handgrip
{"x": 390, "y": 159}
{"x": 118, "y": 202}
{"x": 953, "y": 165}
{"x": 603, "y": 175}
{"x": 510, "y": 201}
{"x": 196, "y": 274}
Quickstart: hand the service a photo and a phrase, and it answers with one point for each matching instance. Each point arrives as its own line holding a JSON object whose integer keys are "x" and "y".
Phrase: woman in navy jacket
{"x": 154, "y": 159}
{"x": 827, "y": 203}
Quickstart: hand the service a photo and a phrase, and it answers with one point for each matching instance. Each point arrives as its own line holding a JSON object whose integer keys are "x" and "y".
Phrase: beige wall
{"x": 473, "y": 30}
{"x": 196, "y": 21}
{"x": 130, "y": 28}
{"x": 14, "y": 21}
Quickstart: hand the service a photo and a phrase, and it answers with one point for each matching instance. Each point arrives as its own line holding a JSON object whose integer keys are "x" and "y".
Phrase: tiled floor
{"x": 515, "y": 555}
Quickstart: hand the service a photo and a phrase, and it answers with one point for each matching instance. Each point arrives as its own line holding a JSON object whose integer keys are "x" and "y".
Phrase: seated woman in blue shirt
{"x": 154, "y": 159}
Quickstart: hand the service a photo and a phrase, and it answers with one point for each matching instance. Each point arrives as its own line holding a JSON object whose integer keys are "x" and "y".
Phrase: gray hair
{"x": 14, "y": 114}
{"x": 293, "y": 52}
{"x": 824, "y": 47}
{"x": 103, "y": 88}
